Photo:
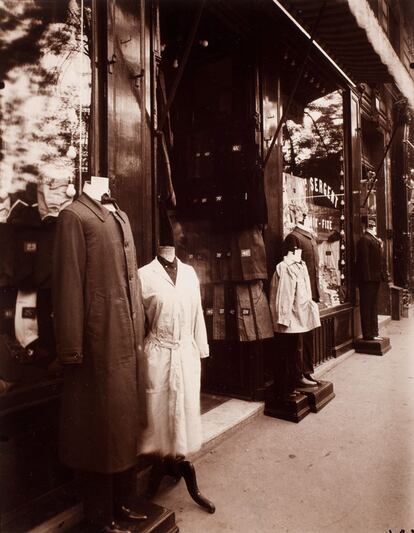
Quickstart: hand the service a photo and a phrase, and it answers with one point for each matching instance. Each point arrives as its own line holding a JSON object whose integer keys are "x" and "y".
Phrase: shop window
{"x": 45, "y": 106}
{"x": 314, "y": 182}
{"x": 216, "y": 176}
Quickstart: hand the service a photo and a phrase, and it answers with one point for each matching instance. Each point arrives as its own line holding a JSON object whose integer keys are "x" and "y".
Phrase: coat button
{"x": 134, "y": 314}
{"x": 131, "y": 277}
{"x": 126, "y": 244}
{"x": 76, "y": 356}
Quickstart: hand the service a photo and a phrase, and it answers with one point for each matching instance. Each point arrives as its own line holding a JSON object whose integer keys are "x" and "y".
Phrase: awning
{"x": 352, "y": 36}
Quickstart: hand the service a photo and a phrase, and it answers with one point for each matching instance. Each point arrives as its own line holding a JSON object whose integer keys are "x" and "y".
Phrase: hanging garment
{"x": 303, "y": 239}
{"x": 4, "y": 209}
{"x": 175, "y": 342}
{"x": 52, "y": 197}
{"x": 291, "y": 304}
{"x": 219, "y": 316}
{"x": 253, "y": 312}
{"x": 25, "y": 319}
{"x": 248, "y": 255}
{"x": 99, "y": 324}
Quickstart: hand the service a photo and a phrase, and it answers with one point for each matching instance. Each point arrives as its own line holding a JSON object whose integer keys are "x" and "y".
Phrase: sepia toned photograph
{"x": 206, "y": 266}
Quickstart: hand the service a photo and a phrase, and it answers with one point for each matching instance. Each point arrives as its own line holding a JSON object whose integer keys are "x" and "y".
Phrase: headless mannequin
{"x": 306, "y": 379}
{"x": 177, "y": 467}
{"x": 288, "y": 366}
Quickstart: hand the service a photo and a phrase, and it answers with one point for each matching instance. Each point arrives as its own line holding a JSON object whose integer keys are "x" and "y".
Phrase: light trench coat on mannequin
{"x": 175, "y": 342}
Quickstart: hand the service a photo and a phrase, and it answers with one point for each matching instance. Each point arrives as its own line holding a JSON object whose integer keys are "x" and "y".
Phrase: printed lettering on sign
{"x": 319, "y": 186}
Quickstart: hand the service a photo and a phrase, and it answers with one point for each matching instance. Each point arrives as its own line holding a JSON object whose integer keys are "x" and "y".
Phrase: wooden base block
{"x": 375, "y": 347}
{"x": 320, "y": 396}
{"x": 160, "y": 520}
{"x": 292, "y": 409}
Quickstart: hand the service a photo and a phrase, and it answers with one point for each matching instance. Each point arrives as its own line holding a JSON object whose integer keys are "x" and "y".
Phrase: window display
{"x": 314, "y": 184}
{"x": 44, "y": 108}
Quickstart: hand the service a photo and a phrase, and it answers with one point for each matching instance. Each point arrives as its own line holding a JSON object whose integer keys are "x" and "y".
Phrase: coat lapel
{"x": 160, "y": 271}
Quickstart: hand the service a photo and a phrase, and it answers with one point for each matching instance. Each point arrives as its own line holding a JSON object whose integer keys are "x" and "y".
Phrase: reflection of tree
{"x": 318, "y": 142}
{"x": 40, "y": 66}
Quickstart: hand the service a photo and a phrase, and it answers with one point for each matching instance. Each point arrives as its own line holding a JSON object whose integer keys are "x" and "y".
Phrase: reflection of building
{"x": 228, "y": 104}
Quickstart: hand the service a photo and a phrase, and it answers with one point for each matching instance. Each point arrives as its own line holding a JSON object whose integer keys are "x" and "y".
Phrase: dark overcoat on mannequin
{"x": 370, "y": 274}
{"x": 304, "y": 240}
{"x": 99, "y": 325}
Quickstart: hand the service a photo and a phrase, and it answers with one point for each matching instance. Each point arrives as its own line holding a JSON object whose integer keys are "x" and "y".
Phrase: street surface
{"x": 348, "y": 468}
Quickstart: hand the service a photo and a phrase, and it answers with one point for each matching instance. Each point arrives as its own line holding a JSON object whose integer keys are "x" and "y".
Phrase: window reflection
{"x": 45, "y": 107}
{"x": 313, "y": 182}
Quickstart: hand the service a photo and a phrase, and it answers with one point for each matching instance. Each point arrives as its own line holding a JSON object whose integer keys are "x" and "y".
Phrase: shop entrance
{"x": 208, "y": 140}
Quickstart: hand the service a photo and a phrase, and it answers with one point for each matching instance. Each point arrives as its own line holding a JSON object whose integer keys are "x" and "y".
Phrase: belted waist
{"x": 167, "y": 343}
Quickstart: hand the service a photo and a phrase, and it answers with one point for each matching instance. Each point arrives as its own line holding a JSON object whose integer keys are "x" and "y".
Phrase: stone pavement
{"x": 348, "y": 468}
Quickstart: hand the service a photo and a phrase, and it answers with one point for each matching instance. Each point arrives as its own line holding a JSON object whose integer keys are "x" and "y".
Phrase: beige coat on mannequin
{"x": 175, "y": 342}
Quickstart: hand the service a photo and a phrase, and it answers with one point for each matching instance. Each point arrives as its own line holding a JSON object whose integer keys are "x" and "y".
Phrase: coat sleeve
{"x": 200, "y": 332}
{"x": 68, "y": 287}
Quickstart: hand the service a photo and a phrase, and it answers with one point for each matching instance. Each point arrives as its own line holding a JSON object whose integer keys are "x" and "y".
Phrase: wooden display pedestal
{"x": 160, "y": 520}
{"x": 292, "y": 409}
{"x": 375, "y": 347}
{"x": 320, "y": 396}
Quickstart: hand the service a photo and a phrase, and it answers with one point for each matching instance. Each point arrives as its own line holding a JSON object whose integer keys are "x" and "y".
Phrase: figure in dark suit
{"x": 370, "y": 275}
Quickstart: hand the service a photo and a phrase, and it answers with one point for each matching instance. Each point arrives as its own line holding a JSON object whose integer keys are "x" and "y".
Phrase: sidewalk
{"x": 349, "y": 468}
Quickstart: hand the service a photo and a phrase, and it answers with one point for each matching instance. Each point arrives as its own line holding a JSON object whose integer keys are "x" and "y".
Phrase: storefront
{"x": 177, "y": 103}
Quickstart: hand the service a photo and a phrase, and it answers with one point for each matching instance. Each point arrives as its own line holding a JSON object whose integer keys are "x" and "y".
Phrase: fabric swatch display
{"x": 291, "y": 304}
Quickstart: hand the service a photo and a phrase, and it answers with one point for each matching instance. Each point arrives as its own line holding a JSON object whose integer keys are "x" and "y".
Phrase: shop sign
{"x": 319, "y": 186}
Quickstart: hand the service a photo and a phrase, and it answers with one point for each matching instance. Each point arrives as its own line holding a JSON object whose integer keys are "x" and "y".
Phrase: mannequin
{"x": 369, "y": 270}
{"x": 97, "y": 189}
{"x": 99, "y": 325}
{"x": 293, "y": 313}
{"x": 302, "y": 237}
{"x": 176, "y": 340}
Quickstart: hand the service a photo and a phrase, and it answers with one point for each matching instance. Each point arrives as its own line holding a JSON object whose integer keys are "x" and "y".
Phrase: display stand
{"x": 160, "y": 520}
{"x": 292, "y": 409}
{"x": 320, "y": 396}
{"x": 374, "y": 347}
{"x": 177, "y": 468}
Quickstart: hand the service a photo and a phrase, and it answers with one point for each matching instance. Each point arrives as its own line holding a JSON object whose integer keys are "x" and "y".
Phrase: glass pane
{"x": 313, "y": 183}
{"x": 45, "y": 106}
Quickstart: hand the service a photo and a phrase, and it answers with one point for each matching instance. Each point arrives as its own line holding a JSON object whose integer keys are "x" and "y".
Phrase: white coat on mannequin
{"x": 175, "y": 342}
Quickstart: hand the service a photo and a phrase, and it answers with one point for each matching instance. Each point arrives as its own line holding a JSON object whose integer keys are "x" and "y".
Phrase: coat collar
{"x": 303, "y": 231}
{"x": 160, "y": 270}
{"x": 98, "y": 209}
